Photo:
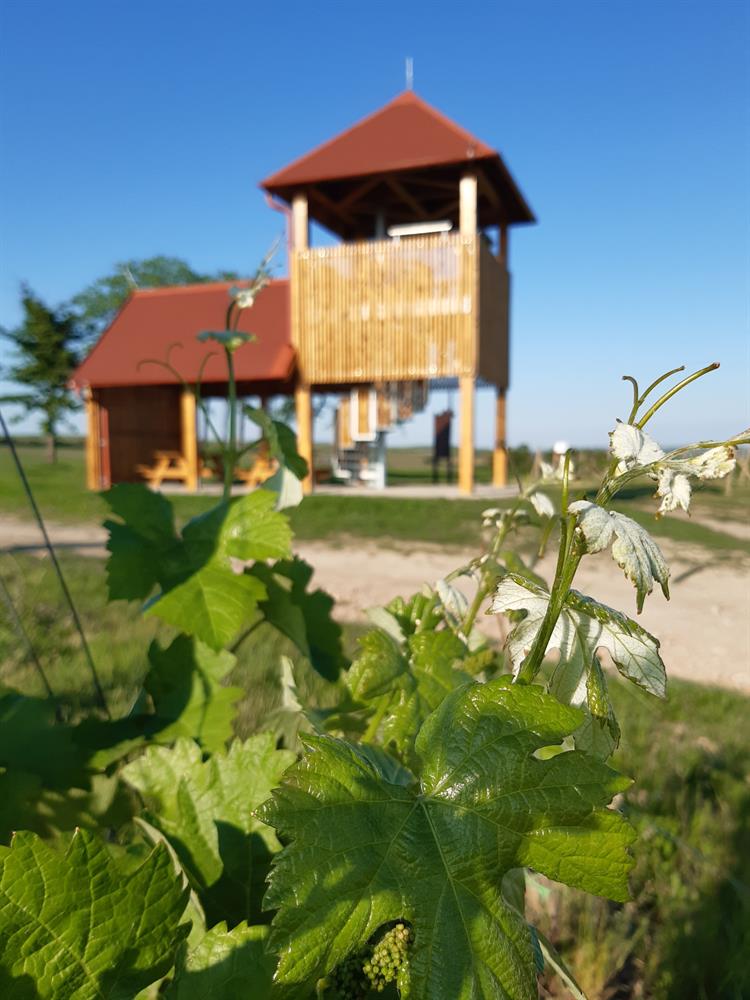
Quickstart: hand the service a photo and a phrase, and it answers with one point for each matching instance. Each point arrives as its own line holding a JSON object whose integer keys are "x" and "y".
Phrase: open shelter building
{"x": 416, "y": 293}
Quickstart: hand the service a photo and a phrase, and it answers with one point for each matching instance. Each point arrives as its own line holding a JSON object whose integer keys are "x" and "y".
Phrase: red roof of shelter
{"x": 154, "y": 319}
{"x": 405, "y": 134}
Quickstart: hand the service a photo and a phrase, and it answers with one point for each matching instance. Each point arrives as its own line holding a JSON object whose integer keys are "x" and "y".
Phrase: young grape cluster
{"x": 388, "y": 955}
{"x": 372, "y": 969}
{"x": 348, "y": 981}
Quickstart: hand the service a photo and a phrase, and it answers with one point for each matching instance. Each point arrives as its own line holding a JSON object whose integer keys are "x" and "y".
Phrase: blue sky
{"x": 141, "y": 128}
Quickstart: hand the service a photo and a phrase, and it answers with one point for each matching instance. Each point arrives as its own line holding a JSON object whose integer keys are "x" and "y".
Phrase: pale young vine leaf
{"x": 633, "y": 549}
{"x": 78, "y": 926}
{"x": 225, "y": 965}
{"x": 542, "y": 504}
{"x": 205, "y": 810}
{"x": 635, "y": 449}
{"x": 370, "y": 843}
{"x": 584, "y": 626}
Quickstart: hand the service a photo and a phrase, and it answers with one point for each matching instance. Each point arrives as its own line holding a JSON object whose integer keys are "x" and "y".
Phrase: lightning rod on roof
{"x": 409, "y": 73}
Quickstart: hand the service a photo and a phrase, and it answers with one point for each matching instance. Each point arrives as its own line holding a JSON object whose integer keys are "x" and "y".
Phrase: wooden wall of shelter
{"x": 129, "y": 424}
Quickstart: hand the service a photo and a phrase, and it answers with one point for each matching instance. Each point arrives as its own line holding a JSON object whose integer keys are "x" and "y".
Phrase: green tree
{"x": 97, "y": 304}
{"x": 46, "y": 354}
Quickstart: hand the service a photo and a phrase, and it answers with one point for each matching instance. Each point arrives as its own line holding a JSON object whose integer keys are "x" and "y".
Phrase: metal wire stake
{"x": 31, "y": 653}
{"x": 56, "y": 564}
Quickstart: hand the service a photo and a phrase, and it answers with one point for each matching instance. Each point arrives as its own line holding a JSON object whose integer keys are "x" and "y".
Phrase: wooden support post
{"x": 500, "y": 453}
{"x": 467, "y": 205}
{"x": 303, "y": 406}
{"x": 93, "y": 442}
{"x": 300, "y": 223}
{"x": 466, "y": 428}
{"x": 467, "y": 217}
{"x": 189, "y": 435}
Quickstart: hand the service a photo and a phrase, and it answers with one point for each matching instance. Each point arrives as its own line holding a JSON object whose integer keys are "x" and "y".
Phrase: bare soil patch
{"x": 704, "y": 630}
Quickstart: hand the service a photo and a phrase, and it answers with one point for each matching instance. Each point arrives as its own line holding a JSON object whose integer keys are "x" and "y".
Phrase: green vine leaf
{"x": 281, "y": 441}
{"x": 33, "y": 742}
{"x": 211, "y": 604}
{"x": 204, "y": 591}
{"x": 633, "y": 549}
{"x": 225, "y": 965}
{"x": 205, "y": 810}
{"x": 80, "y": 927}
{"x": 185, "y": 682}
{"x": 404, "y": 684}
{"x": 369, "y": 844}
{"x": 303, "y": 615}
{"x": 231, "y": 340}
{"x": 584, "y": 626}
{"x": 140, "y": 544}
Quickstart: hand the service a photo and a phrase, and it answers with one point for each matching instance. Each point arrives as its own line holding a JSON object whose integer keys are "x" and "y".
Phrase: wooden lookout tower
{"x": 415, "y": 291}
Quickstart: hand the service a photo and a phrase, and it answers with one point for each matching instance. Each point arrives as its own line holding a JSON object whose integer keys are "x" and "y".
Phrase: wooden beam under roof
{"x": 492, "y": 196}
{"x": 358, "y": 192}
{"x": 398, "y": 188}
{"x": 331, "y": 206}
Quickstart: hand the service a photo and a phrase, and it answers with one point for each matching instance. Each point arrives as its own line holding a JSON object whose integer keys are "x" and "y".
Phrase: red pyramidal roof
{"x": 405, "y": 133}
{"x": 152, "y": 320}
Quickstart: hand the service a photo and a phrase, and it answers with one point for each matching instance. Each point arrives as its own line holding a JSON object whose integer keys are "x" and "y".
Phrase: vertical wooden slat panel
{"x": 391, "y": 309}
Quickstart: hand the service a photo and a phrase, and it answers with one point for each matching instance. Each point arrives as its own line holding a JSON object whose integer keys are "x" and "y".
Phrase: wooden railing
{"x": 392, "y": 309}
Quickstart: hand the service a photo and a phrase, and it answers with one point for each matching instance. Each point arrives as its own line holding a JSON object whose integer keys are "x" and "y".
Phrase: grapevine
{"x": 379, "y": 844}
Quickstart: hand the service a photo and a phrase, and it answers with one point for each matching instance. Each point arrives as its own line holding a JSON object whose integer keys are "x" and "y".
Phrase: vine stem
{"x": 673, "y": 391}
{"x": 484, "y": 589}
{"x": 375, "y": 721}
{"x": 568, "y": 559}
{"x": 230, "y": 457}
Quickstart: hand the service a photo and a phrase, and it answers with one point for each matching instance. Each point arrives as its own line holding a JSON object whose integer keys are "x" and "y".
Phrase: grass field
{"x": 688, "y": 933}
{"x": 61, "y": 496}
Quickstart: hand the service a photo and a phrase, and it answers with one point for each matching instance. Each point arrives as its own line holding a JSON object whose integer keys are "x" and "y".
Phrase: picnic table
{"x": 170, "y": 465}
{"x": 263, "y": 467}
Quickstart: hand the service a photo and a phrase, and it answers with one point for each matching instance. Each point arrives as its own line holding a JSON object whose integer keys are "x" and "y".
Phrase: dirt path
{"x": 704, "y": 629}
